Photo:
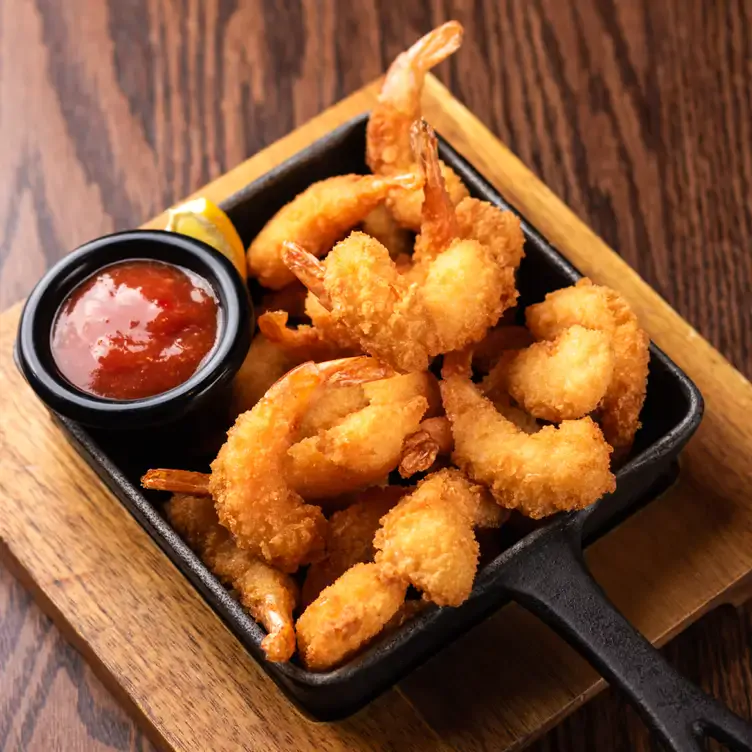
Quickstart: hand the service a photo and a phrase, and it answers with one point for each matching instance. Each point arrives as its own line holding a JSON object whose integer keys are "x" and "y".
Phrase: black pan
{"x": 543, "y": 570}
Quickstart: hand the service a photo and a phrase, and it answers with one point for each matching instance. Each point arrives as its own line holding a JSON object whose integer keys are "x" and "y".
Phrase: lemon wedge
{"x": 204, "y": 220}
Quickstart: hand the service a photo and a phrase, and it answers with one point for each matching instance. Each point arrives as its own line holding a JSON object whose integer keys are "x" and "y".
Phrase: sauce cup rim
{"x": 33, "y": 343}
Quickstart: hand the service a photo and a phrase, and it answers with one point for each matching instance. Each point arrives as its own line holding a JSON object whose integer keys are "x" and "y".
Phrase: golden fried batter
{"x": 316, "y": 219}
{"x": 539, "y": 474}
{"x": 365, "y": 446}
{"x": 349, "y": 540}
{"x": 348, "y": 614}
{"x": 269, "y": 595}
{"x": 602, "y": 309}
{"x": 492, "y": 227}
{"x": 428, "y": 538}
{"x": 561, "y": 379}
{"x": 248, "y": 483}
{"x": 453, "y": 294}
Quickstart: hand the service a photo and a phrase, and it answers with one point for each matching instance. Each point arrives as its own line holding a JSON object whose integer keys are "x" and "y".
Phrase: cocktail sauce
{"x": 135, "y": 329}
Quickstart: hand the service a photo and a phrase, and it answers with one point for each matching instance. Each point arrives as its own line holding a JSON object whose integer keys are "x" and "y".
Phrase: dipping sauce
{"x": 135, "y": 329}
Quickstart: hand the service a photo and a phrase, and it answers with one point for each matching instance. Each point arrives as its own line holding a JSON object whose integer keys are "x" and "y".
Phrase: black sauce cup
{"x": 204, "y": 389}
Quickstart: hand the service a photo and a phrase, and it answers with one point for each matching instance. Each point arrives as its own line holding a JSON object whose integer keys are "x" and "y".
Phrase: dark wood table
{"x": 637, "y": 113}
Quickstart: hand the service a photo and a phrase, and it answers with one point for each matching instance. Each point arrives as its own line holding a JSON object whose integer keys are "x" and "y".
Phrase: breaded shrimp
{"x": 348, "y": 614}
{"x": 457, "y": 290}
{"x": 269, "y": 595}
{"x": 498, "y": 229}
{"x": 560, "y": 379}
{"x": 365, "y": 446}
{"x": 602, "y": 309}
{"x": 388, "y": 149}
{"x": 329, "y": 407}
{"x": 248, "y": 483}
{"x": 348, "y": 439}
{"x": 349, "y": 539}
{"x": 554, "y": 469}
{"x": 428, "y": 538}
{"x": 316, "y": 219}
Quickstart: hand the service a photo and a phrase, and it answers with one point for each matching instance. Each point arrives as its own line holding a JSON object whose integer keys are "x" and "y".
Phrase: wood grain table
{"x": 638, "y": 113}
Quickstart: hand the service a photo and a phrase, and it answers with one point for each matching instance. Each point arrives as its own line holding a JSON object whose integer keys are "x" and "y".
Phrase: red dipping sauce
{"x": 135, "y": 329}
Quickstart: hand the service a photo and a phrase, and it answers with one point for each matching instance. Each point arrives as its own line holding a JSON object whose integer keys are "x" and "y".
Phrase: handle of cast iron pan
{"x": 552, "y": 581}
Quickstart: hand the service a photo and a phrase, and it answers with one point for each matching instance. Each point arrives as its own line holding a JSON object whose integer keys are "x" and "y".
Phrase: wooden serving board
{"x": 160, "y": 648}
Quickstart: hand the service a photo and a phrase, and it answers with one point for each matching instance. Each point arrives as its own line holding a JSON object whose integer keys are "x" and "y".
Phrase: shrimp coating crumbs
{"x": 269, "y": 595}
{"x": 349, "y": 539}
{"x": 248, "y": 482}
{"x": 428, "y": 538}
{"x": 552, "y": 470}
{"x": 602, "y": 309}
{"x": 316, "y": 219}
{"x": 561, "y": 379}
{"x": 404, "y": 319}
{"x": 348, "y": 614}
{"x": 365, "y": 446}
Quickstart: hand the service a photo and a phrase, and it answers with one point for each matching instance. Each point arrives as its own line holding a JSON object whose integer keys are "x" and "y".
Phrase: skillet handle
{"x": 552, "y": 581}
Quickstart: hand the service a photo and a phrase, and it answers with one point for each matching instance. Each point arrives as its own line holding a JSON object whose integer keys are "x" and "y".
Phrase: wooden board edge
{"x": 72, "y": 636}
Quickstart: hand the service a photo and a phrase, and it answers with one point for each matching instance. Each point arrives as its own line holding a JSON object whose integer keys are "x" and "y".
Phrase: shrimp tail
{"x": 439, "y": 226}
{"x": 409, "y": 181}
{"x": 177, "y": 481}
{"x": 308, "y": 269}
{"x": 353, "y": 371}
{"x": 436, "y": 46}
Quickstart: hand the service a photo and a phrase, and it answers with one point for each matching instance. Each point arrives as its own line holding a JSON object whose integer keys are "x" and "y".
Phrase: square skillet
{"x": 543, "y": 570}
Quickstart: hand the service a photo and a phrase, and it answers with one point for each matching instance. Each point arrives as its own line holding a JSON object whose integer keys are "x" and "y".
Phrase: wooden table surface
{"x": 637, "y": 113}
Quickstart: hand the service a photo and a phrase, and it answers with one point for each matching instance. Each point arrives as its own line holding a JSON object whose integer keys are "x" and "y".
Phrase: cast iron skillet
{"x": 543, "y": 570}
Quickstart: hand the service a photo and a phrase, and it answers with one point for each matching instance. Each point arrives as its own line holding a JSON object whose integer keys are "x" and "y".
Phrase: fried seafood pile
{"x": 349, "y": 490}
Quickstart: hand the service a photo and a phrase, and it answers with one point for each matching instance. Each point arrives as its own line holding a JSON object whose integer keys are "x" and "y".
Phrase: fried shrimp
{"x": 405, "y": 319}
{"x": 388, "y": 148}
{"x": 554, "y": 469}
{"x": 365, "y": 446}
{"x": 248, "y": 482}
{"x": 428, "y": 537}
{"x": 348, "y": 614}
{"x": 602, "y": 309}
{"x": 316, "y": 219}
{"x": 269, "y": 595}
{"x": 349, "y": 539}
{"x": 349, "y": 438}
{"x": 560, "y": 379}
{"x": 494, "y": 228}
